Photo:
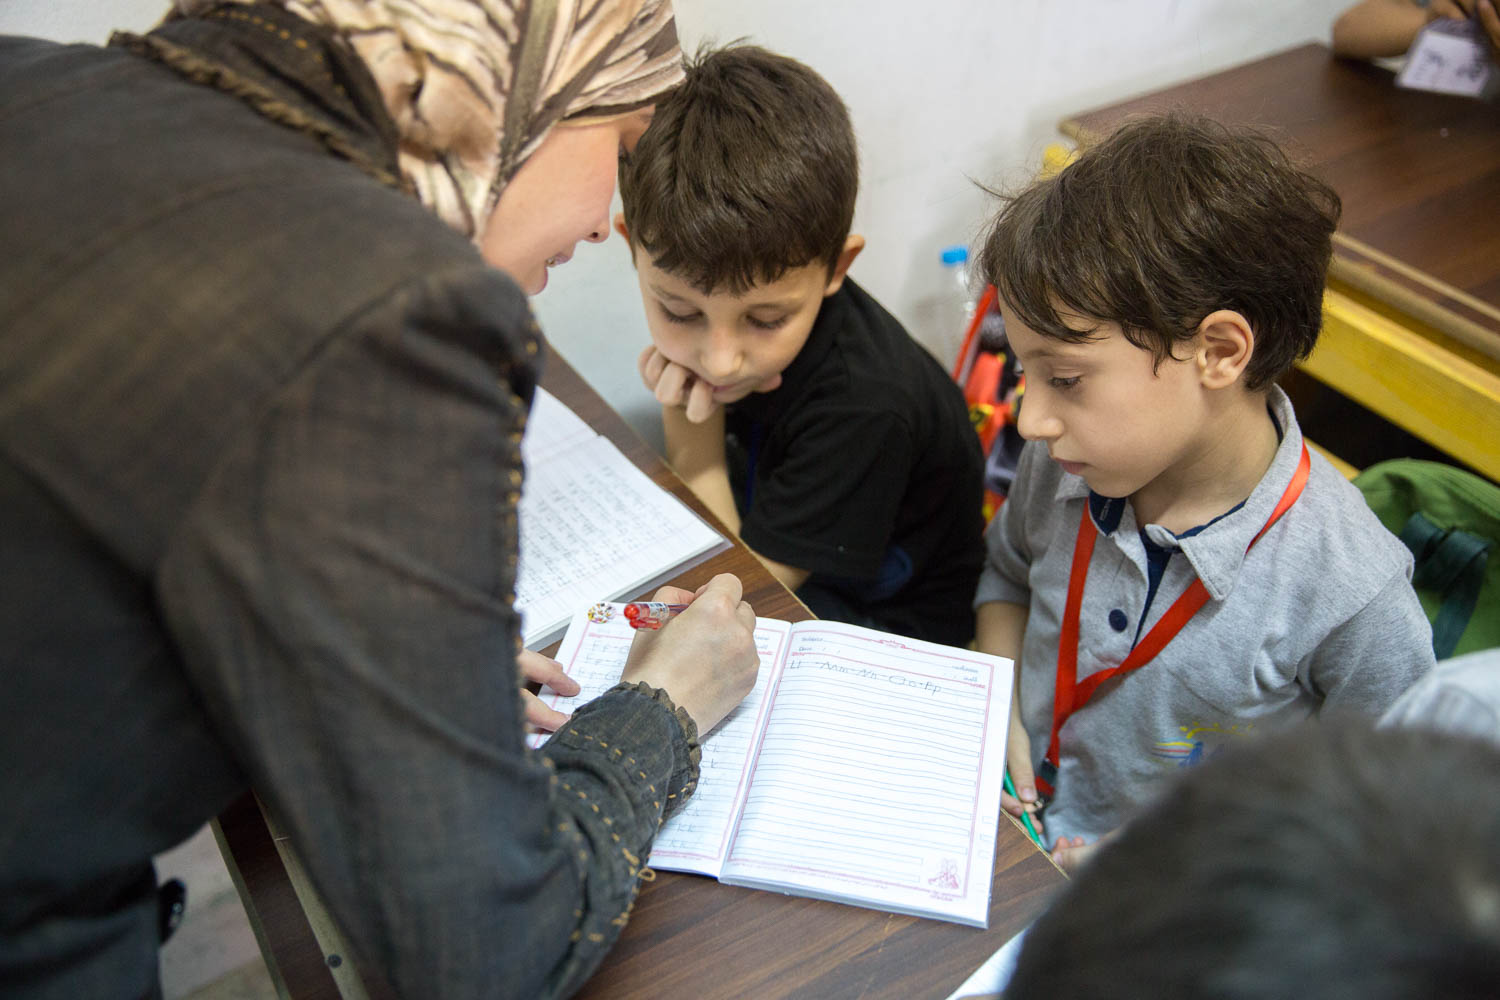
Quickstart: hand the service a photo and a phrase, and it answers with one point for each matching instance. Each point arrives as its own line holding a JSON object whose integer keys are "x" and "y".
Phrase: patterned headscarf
{"x": 475, "y": 85}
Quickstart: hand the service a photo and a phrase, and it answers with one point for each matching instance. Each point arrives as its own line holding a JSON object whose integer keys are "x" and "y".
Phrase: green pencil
{"x": 1025, "y": 816}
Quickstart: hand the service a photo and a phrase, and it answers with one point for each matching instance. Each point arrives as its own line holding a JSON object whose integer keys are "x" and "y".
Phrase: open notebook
{"x": 863, "y": 768}
{"x": 592, "y": 524}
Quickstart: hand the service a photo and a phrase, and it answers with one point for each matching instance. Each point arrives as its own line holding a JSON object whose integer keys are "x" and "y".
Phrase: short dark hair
{"x": 1169, "y": 219}
{"x": 1332, "y": 861}
{"x": 749, "y": 169}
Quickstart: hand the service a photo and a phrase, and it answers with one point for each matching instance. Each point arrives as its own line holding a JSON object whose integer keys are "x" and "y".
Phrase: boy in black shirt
{"x": 798, "y": 409}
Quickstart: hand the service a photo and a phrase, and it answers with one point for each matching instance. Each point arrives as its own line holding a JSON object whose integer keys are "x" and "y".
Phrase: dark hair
{"x": 749, "y": 169}
{"x": 1334, "y": 861}
{"x": 1169, "y": 219}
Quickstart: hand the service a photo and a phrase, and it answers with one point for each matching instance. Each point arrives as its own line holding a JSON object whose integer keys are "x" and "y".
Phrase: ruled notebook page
{"x": 878, "y": 777}
{"x": 696, "y": 839}
{"x": 592, "y": 526}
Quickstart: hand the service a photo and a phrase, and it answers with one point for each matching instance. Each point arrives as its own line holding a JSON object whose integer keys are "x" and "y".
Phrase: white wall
{"x": 943, "y": 93}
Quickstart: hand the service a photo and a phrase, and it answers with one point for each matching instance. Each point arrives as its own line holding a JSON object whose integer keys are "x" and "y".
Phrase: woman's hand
{"x": 705, "y": 658}
{"x": 674, "y": 385}
{"x": 539, "y": 669}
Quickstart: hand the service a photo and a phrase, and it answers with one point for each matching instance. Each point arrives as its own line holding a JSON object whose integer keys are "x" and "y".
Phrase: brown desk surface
{"x": 689, "y": 936}
{"x": 1419, "y": 173}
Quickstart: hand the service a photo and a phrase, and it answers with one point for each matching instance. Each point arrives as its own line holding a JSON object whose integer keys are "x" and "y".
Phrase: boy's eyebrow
{"x": 665, "y": 294}
{"x": 1054, "y": 350}
{"x": 790, "y": 303}
{"x": 1046, "y": 350}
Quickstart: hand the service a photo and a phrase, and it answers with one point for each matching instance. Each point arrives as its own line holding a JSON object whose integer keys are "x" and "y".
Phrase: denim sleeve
{"x": 342, "y": 593}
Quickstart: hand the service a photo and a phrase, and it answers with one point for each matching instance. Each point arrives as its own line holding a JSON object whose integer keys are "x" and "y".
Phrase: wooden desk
{"x": 688, "y": 936}
{"x": 1412, "y": 316}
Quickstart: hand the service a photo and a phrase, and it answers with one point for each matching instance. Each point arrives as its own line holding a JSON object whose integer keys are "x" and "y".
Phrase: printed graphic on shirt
{"x": 1192, "y": 748}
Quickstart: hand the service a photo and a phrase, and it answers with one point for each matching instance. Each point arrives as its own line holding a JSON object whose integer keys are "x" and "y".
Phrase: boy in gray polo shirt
{"x": 1166, "y": 514}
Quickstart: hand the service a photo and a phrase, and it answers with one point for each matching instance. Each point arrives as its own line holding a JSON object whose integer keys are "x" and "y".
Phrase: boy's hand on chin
{"x": 674, "y": 385}
{"x": 700, "y": 400}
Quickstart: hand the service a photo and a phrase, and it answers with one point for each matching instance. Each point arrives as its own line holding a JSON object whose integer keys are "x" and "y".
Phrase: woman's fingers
{"x": 541, "y": 669}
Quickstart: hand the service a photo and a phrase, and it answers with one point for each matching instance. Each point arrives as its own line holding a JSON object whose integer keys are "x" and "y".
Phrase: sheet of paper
{"x": 878, "y": 777}
{"x": 593, "y": 526}
{"x": 551, "y": 427}
{"x": 991, "y": 978}
{"x": 1450, "y": 57}
{"x": 696, "y": 839}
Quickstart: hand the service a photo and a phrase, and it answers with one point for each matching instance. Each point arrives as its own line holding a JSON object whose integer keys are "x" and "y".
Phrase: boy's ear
{"x": 853, "y": 244}
{"x": 1224, "y": 347}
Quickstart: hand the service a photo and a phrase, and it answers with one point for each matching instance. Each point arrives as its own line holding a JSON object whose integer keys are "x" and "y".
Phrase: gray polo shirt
{"x": 1320, "y": 613}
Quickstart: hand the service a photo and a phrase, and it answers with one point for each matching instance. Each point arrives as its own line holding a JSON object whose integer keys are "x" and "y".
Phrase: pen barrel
{"x": 650, "y": 614}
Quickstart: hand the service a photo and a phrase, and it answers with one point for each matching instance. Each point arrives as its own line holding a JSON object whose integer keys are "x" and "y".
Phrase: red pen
{"x": 651, "y": 614}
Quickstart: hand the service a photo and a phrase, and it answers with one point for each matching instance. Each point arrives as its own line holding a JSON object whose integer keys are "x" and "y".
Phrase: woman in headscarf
{"x": 261, "y": 400}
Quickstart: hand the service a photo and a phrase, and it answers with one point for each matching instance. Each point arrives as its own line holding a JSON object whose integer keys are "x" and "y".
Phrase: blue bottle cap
{"x": 955, "y": 255}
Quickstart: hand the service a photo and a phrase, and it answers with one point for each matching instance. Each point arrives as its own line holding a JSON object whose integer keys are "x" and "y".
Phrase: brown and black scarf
{"x": 475, "y": 85}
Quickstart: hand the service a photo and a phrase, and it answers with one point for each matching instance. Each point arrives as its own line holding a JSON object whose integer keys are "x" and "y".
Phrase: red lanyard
{"x": 1071, "y": 695}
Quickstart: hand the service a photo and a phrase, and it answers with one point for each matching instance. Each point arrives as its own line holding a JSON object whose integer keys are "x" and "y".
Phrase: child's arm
{"x": 1373, "y": 28}
{"x": 695, "y": 449}
{"x": 1000, "y": 628}
{"x": 1364, "y": 664}
{"x": 696, "y": 452}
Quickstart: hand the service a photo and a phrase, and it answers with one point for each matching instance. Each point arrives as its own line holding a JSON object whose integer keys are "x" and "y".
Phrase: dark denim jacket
{"x": 259, "y": 428}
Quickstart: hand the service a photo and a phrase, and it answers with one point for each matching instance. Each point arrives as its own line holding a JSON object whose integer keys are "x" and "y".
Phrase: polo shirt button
{"x": 1117, "y": 620}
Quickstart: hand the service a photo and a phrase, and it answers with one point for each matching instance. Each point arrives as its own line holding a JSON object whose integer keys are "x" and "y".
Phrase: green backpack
{"x": 1450, "y": 519}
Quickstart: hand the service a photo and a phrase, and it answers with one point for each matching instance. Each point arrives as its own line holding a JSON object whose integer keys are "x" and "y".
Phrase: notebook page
{"x": 592, "y": 525}
{"x": 550, "y": 428}
{"x": 1449, "y": 56}
{"x": 696, "y": 839}
{"x": 878, "y": 778}
{"x": 991, "y": 978}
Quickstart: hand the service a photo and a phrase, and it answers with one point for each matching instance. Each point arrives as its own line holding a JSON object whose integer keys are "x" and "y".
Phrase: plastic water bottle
{"x": 958, "y": 310}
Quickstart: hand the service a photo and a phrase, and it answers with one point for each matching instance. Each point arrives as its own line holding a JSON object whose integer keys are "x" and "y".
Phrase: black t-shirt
{"x": 863, "y": 469}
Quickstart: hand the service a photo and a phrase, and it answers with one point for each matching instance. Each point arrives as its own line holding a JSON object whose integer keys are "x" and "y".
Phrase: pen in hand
{"x": 651, "y": 614}
{"x": 1010, "y": 788}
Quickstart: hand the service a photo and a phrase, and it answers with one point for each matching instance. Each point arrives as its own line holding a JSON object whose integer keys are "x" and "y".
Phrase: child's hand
{"x": 1072, "y": 853}
{"x": 1487, "y": 12}
{"x": 1447, "y": 8}
{"x": 1018, "y": 762}
{"x": 1489, "y": 18}
{"x": 674, "y": 385}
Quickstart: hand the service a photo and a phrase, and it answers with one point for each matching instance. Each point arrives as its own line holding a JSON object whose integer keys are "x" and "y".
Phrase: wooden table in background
{"x": 1412, "y": 316}
{"x": 688, "y": 936}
